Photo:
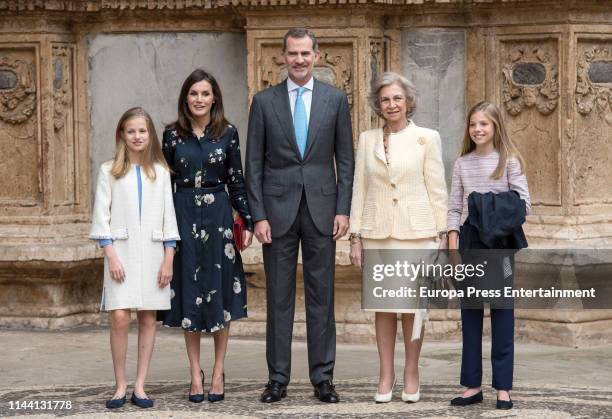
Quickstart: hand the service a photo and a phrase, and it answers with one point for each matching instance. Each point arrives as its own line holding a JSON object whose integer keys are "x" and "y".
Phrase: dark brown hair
{"x": 218, "y": 123}
{"x": 151, "y": 154}
{"x": 298, "y": 33}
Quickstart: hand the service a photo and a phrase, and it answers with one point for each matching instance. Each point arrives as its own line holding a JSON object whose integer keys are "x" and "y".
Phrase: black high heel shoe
{"x": 197, "y": 398}
{"x": 217, "y": 397}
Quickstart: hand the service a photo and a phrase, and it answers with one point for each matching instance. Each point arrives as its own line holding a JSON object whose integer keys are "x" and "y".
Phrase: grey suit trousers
{"x": 280, "y": 261}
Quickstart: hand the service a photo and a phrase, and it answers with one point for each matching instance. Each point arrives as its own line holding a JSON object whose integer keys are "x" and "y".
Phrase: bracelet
{"x": 442, "y": 234}
{"x": 354, "y": 238}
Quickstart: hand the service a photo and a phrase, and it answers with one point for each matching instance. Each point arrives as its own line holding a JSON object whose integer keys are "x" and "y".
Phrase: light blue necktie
{"x": 300, "y": 122}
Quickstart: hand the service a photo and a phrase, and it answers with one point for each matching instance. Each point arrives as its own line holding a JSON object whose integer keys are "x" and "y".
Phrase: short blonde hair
{"x": 387, "y": 79}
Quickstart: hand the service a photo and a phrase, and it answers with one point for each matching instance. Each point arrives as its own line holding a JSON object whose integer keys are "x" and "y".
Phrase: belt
{"x": 210, "y": 189}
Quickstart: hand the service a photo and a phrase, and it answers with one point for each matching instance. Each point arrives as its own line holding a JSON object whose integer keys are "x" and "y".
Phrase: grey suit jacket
{"x": 275, "y": 173}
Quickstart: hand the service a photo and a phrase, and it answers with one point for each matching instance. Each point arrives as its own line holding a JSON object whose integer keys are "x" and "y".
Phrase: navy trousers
{"x": 502, "y": 347}
{"x": 502, "y": 342}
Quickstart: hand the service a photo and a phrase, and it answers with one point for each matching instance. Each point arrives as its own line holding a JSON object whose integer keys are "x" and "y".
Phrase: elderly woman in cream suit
{"x": 399, "y": 202}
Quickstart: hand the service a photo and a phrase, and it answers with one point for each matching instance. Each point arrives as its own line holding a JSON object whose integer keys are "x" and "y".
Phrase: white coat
{"x": 137, "y": 239}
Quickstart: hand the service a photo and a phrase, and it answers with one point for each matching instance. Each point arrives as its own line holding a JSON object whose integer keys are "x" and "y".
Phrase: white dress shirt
{"x": 306, "y": 96}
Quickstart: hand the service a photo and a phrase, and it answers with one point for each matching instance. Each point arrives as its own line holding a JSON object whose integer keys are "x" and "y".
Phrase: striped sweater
{"x": 472, "y": 173}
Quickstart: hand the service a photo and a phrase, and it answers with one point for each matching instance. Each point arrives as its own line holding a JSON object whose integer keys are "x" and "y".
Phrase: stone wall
{"x": 68, "y": 69}
{"x": 153, "y": 68}
{"x": 433, "y": 59}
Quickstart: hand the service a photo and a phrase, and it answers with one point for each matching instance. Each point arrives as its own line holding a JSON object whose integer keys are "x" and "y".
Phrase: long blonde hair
{"x": 152, "y": 153}
{"x": 502, "y": 143}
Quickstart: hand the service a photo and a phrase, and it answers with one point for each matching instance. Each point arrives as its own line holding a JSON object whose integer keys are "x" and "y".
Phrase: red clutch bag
{"x": 238, "y": 230}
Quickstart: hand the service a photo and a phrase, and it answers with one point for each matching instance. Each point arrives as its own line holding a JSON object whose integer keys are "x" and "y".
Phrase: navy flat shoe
{"x": 197, "y": 398}
{"x": 217, "y": 397}
{"x": 504, "y": 404}
{"x": 115, "y": 403}
{"x": 144, "y": 403}
{"x": 466, "y": 401}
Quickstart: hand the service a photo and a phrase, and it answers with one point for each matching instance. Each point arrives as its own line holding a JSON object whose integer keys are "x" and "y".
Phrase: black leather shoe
{"x": 274, "y": 392}
{"x": 466, "y": 401}
{"x": 326, "y": 392}
{"x": 504, "y": 404}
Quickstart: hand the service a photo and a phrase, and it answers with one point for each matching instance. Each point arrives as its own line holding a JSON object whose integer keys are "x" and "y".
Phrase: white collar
{"x": 291, "y": 85}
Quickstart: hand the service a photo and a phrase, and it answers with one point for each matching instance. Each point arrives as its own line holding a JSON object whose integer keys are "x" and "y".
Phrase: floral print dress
{"x": 208, "y": 287}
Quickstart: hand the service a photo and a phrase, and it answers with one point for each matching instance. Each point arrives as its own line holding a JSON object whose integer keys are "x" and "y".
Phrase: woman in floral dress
{"x": 208, "y": 286}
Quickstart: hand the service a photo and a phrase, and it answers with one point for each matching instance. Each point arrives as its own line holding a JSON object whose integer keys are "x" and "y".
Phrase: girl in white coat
{"x": 134, "y": 221}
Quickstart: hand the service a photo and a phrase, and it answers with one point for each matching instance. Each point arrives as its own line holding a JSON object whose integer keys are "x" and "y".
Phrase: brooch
{"x": 422, "y": 140}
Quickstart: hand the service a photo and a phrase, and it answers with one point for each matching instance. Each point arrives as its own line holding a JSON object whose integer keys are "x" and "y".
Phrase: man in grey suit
{"x": 297, "y": 130}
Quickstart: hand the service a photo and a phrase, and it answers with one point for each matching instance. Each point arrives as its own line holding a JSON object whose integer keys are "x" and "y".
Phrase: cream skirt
{"x": 420, "y": 315}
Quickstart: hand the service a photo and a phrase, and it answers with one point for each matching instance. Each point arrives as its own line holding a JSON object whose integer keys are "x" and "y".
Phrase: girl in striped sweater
{"x": 489, "y": 162}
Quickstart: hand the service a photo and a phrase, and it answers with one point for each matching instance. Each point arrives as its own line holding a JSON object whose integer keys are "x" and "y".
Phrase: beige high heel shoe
{"x": 412, "y": 398}
{"x": 385, "y": 397}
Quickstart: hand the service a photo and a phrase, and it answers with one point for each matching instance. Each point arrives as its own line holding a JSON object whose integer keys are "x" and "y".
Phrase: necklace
{"x": 386, "y": 133}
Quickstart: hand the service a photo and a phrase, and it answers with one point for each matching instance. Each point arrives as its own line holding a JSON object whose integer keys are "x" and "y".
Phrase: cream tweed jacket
{"x": 407, "y": 199}
{"x": 138, "y": 240}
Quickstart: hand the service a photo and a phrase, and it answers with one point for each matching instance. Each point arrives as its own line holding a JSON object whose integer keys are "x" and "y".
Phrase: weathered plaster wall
{"x": 433, "y": 59}
{"x": 153, "y": 67}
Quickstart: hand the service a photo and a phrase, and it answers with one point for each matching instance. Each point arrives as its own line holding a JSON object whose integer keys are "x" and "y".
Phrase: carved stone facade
{"x": 19, "y": 122}
{"x": 532, "y": 114}
{"x": 530, "y": 78}
{"x": 593, "y": 120}
{"x": 547, "y": 63}
{"x": 64, "y": 145}
{"x": 594, "y": 80}
{"x": 379, "y": 63}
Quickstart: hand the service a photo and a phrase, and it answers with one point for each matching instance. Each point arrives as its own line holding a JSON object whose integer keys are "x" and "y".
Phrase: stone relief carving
{"x": 594, "y": 87}
{"x": 18, "y": 91}
{"x": 334, "y": 67}
{"x": 377, "y": 67}
{"x": 62, "y": 92}
{"x": 530, "y": 78}
{"x": 63, "y": 145}
{"x": 20, "y": 167}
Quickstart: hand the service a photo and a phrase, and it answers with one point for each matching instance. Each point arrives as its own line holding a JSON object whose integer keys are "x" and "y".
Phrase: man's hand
{"x": 341, "y": 226}
{"x": 263, "y": 232}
